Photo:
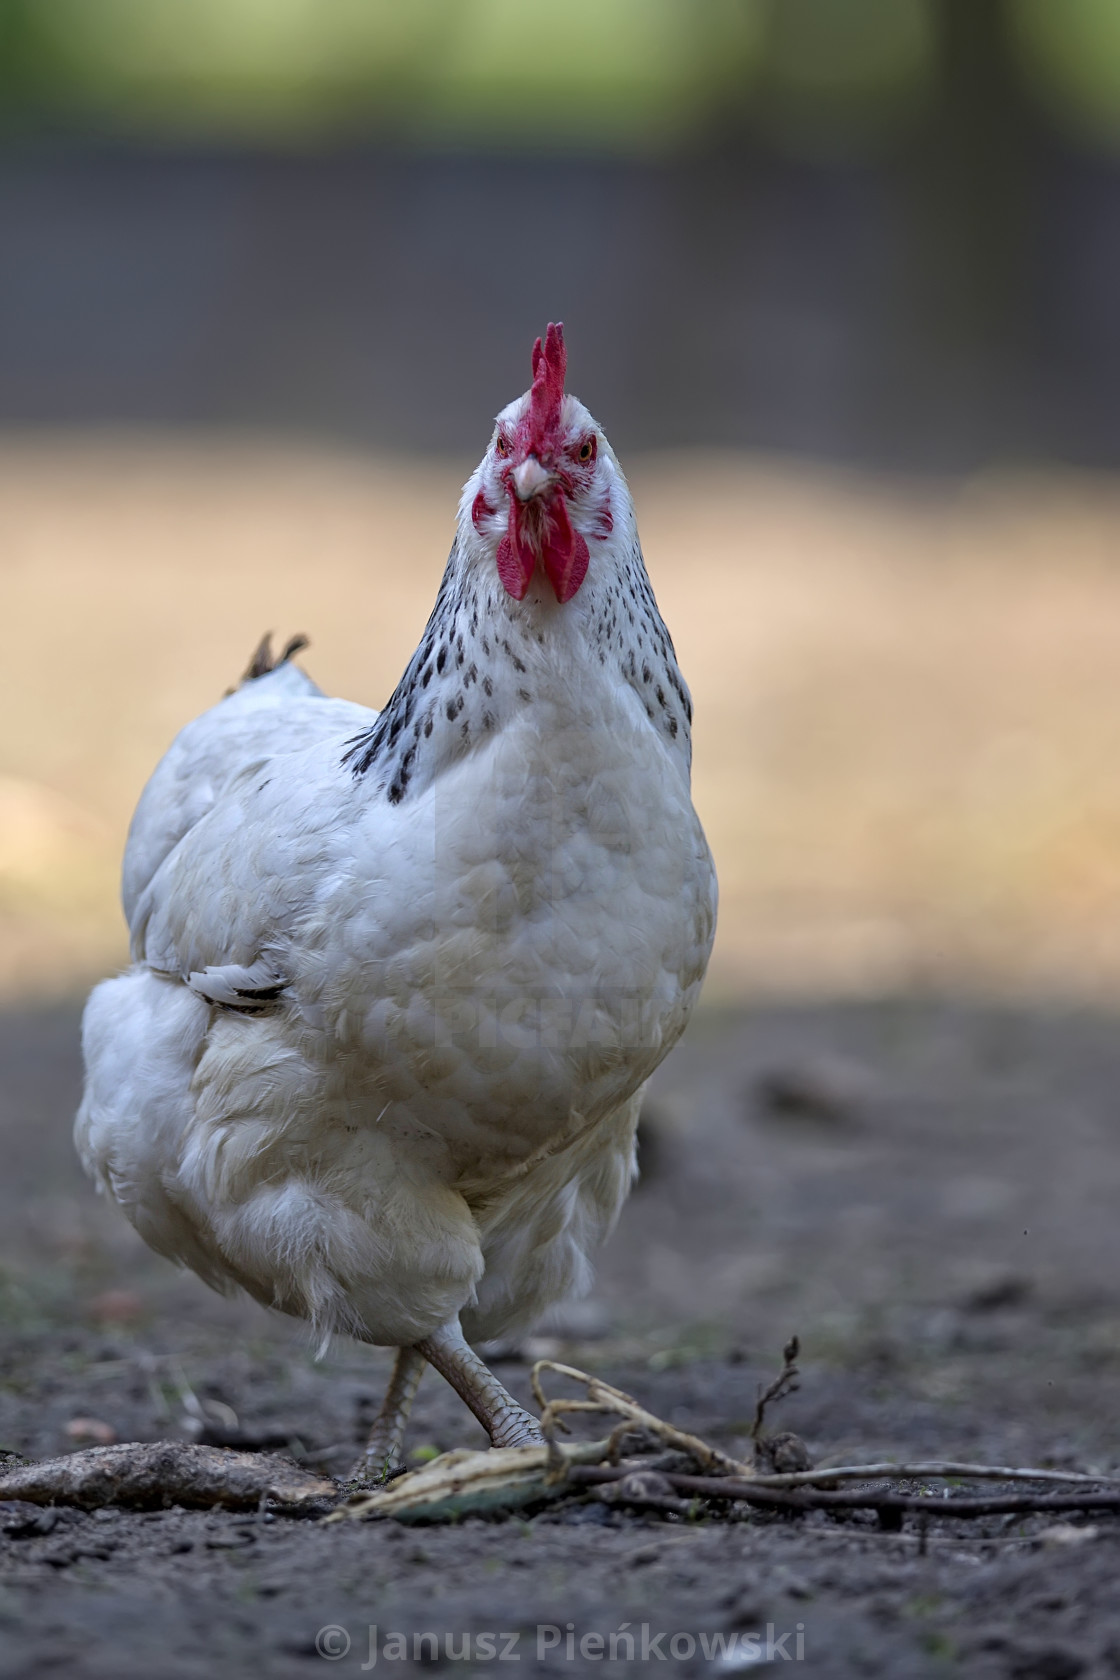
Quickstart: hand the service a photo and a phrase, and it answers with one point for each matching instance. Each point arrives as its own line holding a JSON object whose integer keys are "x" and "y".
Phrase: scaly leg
{"x": 383, "y": 1449}
{"x": 506, "y": 1423}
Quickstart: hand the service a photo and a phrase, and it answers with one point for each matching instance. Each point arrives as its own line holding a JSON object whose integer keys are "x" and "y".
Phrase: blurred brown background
{"x": 840, "y": 281}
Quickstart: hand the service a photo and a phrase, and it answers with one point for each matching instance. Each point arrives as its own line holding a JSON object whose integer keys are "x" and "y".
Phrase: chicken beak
{"x": 530, "y": 479}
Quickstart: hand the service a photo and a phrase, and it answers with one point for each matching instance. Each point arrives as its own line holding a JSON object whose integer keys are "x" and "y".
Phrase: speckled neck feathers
{"x": 484, "y": 660}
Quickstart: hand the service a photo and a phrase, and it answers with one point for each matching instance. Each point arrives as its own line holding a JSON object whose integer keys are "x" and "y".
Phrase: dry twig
{"x": 786, "y": 1382}
{"x": 881, "y": 1500}
{"x": 942, "y": 1469}
{"x": 603, "y": 1398}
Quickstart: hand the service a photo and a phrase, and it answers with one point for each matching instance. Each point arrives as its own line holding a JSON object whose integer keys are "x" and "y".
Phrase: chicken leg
{"x": 382, "y": 1453}
{"x": 506, "y": 1423}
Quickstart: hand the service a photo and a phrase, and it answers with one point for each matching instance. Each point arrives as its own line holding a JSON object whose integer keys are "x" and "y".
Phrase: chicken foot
{"x": 506, "y": 1423}
{"x": 382, "y": 1452}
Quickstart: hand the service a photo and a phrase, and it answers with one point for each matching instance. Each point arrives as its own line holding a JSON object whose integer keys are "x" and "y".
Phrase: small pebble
{"x": 90, "y": 1432}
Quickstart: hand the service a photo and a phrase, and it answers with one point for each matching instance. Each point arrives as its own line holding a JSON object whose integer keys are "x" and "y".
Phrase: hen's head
{"x": 543, "y": 488}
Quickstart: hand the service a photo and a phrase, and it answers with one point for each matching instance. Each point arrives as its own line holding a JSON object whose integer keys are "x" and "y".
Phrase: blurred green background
{"x": 630, "y": 74}
{"x": 883, "y": 230}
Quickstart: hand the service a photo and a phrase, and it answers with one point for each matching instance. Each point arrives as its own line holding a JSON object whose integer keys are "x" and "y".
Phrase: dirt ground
{"x": 925, "y": 1190}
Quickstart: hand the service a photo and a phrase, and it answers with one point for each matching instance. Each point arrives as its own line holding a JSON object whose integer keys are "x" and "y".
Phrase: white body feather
{"x": 380, "y": 1056}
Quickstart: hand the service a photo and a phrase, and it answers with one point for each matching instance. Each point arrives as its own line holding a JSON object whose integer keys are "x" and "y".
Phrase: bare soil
{"x": 925, "y": 1190}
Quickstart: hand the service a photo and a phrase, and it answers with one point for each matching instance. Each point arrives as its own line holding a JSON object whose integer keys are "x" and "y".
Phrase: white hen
{"x": 399, "y": 978}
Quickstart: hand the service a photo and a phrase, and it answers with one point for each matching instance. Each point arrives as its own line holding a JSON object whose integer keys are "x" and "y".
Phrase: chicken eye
{"x": 501, "y": 447}
{"x": 587, "y": 449}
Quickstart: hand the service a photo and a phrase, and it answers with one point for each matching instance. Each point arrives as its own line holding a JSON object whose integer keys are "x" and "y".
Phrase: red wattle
{"x": 567, "y": 566}
{"x": 542, "y": 529}
{"x": 515, "y": 566}
{"x": 563, "y": 552}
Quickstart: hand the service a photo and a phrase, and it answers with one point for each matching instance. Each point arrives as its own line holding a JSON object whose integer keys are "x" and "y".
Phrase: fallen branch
{"x": 880, "y": 1499}
{"x": 507, "y": 1479}
{"x": 944, "y": 1469}
{"x": 155, "y": 1474}
{"x": 463, "y": 1483}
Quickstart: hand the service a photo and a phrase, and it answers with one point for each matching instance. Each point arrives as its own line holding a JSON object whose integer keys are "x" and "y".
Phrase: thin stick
{"x": 601, "y": 1397}
{"x": 868, "y": 1499}
{"x": 786, "y": 1382}
{"x": 937, "y": 1467}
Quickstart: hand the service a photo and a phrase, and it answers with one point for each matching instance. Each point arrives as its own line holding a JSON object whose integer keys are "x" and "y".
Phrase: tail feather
{"x": 263, "y": 662}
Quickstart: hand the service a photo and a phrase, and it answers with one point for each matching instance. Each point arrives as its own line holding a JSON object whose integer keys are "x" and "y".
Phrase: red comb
{"x": 550, "y": 364}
